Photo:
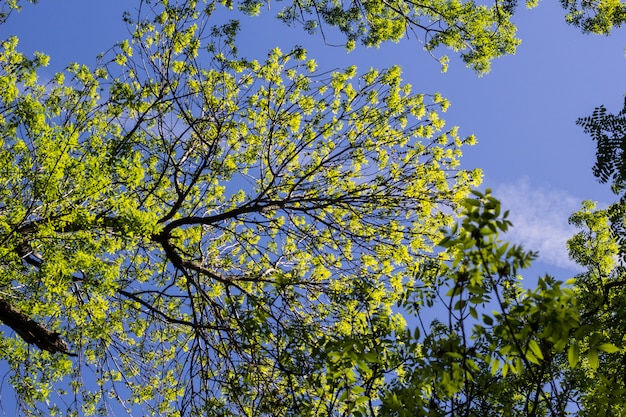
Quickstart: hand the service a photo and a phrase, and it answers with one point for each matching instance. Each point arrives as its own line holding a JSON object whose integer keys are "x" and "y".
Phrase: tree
{"x": 609, "y": 133}
{"x": 210, "y": 233}
{"x": 599, "y": 248}
{"x": 552, "y": 351}
{"x": 599, "y": 378}
{"x": 501, "y": 349}
{"x": 555, "y": 350}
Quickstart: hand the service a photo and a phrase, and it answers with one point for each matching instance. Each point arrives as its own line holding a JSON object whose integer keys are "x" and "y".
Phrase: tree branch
{"x": 32, "y": 332}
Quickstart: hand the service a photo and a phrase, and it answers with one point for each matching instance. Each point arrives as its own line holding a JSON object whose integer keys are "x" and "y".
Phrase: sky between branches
{"x": 533, "y": 155}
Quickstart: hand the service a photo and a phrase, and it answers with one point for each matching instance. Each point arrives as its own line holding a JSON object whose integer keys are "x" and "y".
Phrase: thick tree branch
{"x": 32, "y": 332}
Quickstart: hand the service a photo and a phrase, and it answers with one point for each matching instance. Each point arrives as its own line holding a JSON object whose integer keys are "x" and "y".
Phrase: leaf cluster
{"x": 599, "y": 17}
{"x": 609, "y": 133}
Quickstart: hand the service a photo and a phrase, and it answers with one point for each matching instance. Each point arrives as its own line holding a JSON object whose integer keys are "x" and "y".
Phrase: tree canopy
{"x": 209, "y": 233}
{"x": 187, "y": 231}
{"x": 600, "y": 248}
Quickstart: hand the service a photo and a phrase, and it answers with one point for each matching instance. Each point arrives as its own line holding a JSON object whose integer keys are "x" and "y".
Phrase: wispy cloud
{"x": 540, "y": 219}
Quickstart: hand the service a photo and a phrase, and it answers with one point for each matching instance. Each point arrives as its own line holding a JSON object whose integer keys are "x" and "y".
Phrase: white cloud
{"x": 539, "y": 216}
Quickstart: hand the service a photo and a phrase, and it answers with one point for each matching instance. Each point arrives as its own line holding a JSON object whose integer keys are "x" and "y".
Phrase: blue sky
{"x": 533, "y": 155}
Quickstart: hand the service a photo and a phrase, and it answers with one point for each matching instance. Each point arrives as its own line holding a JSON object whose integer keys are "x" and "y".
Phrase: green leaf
{"x": 530, "y": 356}
{"x": 572, "y": 355}
{"x": 592, "y": 358}
{"x": 609, "y": 348}
{"x": 505, "y": 369}
{"x": 495, "y": 365}
{"x": 535, "y": 349}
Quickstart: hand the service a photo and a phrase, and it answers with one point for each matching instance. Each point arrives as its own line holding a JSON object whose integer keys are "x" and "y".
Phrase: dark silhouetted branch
{"x": 32, "y": 332}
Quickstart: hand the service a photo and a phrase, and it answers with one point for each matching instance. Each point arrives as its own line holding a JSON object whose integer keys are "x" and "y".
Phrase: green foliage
{"x": 479, "y": 32}
{"x": 609, "y": 133}
{"x": 595, "y": 17}
{"x": 218, "y": 235}
{"x": 600, "y": 291}
{"x": 600, "y": 247}
{"x": 212, "y": 234}
{"x": 501, "y": 348}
